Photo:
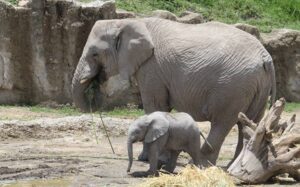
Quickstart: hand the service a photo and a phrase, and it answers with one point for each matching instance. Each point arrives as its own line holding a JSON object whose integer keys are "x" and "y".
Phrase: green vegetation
{"x": 124, "y": 112}
{"x": 37, "y": 111}
{"x": 14, "y": 2}
{"x": 292, "y": 107}
{"x": 265, "y": 14}
{"x": 32, "y": 112}
{"x": 63, "y": 110}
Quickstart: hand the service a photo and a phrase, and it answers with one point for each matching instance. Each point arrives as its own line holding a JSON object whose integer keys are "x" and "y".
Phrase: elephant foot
{"x": 152, "y": 173}
{"x": 204, "y": 163}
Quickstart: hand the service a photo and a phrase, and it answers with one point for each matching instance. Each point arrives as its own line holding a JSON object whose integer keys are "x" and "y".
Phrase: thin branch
{"x": 290, "y": 124}
{"x": 289, "y": 139}
{"x": 244, "y": 120}
{"x": 287, "y": 157}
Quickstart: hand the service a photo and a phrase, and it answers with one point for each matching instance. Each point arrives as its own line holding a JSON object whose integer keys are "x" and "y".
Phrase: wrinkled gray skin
{"x": 212, "y": 71}
{"x": 165, "y": 133}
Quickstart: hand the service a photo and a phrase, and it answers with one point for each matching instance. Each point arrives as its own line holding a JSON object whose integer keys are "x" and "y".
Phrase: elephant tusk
{"x": 83, "y": 81}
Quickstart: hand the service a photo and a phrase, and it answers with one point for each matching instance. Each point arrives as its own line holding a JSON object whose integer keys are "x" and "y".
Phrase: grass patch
{"x": 265, "y": 14}
{"x": 292, "y": 107}
{"x": 14, "y": 2}
{"x": 124, "y": 112}
{"x": 8, "y": 112}
{"x": 64, "y": 110}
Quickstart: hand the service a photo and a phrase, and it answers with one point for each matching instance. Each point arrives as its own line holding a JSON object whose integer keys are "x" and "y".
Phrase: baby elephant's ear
{"x": 156, "y": 129}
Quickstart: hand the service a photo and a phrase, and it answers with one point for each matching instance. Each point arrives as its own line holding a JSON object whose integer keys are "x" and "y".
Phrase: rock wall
{"x": 284, "y": 46}
{"x": 40, "y": 46}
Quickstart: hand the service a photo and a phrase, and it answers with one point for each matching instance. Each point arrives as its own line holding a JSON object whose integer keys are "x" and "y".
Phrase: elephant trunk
{"x": 78, "y": 93}
{"x": 130, "y": 154}
{"x": 79, "y": 87}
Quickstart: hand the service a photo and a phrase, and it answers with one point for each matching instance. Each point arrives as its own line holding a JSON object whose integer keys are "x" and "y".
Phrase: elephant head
{"x": 147, "y": 130}
{"x": 113, "y": 52}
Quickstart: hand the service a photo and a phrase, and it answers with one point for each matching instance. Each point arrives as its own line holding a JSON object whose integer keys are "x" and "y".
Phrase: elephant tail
{"x": 269, "y": 67}
{"x": 273, "y": 90}
{"x": 207, "y": 142}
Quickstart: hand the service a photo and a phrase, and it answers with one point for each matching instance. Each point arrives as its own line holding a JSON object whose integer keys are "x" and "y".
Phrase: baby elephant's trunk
{"x": 130, "y": 154}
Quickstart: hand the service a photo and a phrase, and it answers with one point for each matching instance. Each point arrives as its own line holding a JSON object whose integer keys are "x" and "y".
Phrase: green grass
{"x": 121, "y": 112}
{"x": 64, "y": 110}
{"x": 37, "y": 111}
{"x": 265, "y": 14}
{"x": 124, "y": 112}
{"x": 14, "y": 2}
{"x": 292, "y": 107}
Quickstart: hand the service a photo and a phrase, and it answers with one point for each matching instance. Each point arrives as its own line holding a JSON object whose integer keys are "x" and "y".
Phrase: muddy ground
{"x": 40, "y": 149}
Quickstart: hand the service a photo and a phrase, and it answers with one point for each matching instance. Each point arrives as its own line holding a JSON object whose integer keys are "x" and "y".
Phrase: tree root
{"x": 269, "y": 148}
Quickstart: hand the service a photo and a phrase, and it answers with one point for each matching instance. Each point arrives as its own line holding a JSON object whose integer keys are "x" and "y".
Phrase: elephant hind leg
{"x": 255, "y": 112}
{"x": 172, "y": 161}
{"x": 216, "y": 137}
{"x": 239, "y": 146}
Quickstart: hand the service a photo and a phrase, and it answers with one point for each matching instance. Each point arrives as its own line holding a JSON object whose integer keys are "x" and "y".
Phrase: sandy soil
{"x": 63, "y": 151}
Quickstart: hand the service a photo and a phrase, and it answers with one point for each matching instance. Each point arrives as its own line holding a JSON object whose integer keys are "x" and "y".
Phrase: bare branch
{"x": 248, "y": 132}
{"x": 244, "y": 120}
{"x": 289, "y": 139}
{"x": 287, "y": 157}
{"x": 290, "y": 124}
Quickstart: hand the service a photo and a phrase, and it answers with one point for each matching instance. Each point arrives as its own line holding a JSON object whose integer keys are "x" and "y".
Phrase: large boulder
{"x": 249, "y": 29}
{"x": 190, "y": 18}
{"x": 284, "y": 46}
{"x": 122, "y": 14}
{"x": 185, "y": 17}
{"x": 164, "y": 14}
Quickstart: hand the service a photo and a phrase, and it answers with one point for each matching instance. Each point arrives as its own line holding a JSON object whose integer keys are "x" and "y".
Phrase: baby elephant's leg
{"x": 194, "y": 150}
{"x": 153, "y": 159}
{"x": 155, "y": 148}
{"x": 172, "y": 161}
{"x": 144, "y": 154}
{"x": 163, "y": 158}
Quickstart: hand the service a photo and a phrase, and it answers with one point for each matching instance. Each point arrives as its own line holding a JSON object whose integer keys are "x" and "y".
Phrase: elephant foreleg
{"x": 153, "y": 159}
{"x": 143, "y": 156}
{"x": 154, "y": 150}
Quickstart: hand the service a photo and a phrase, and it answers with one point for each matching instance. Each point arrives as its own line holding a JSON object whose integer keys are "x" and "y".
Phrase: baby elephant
{"x": 165, "y": 132}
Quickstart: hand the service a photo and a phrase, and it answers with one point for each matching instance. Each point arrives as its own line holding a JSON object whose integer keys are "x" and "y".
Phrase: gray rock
{"x": 191, "y": 18}
{"x": 164, "y": 14}
{"x": 249, "y": 28}
{"x": 284, "y": 46}
{"x": 122, "y": 14}
{"x": 24, "y": 3}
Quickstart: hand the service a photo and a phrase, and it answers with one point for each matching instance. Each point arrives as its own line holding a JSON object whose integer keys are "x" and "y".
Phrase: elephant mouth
{"x": 86, "y": 91}
{"x": 93, "y": 92}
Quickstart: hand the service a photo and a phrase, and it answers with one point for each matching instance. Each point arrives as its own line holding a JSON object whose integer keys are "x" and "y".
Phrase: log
{"x": 269, "y": 148}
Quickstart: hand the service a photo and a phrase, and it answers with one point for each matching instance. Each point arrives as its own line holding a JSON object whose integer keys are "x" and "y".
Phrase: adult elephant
{"x": 212, "y": 71}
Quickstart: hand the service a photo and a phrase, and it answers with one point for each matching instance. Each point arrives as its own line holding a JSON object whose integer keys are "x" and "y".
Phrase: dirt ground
{"x": 51, "y": 150}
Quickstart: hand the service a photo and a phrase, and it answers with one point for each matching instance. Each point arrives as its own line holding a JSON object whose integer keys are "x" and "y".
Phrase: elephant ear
{"x": 156, "y": 129}
{"x": 134, "y": 47}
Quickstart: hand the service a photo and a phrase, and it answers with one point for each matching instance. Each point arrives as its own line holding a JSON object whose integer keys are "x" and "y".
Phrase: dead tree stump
{"x": 269, "y": 148}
